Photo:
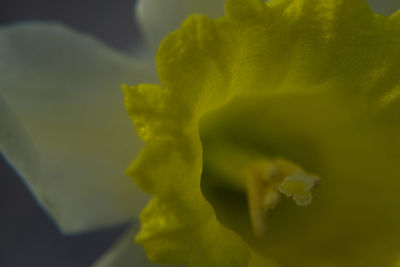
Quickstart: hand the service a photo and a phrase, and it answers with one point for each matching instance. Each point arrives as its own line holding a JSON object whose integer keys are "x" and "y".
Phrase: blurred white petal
{"x": 384, "y": 7}
{"x": 126, "y": 253}
{"x": 64, "y": 88}
{"x": 159, "y": 17}
{"x": 15, "y": 143}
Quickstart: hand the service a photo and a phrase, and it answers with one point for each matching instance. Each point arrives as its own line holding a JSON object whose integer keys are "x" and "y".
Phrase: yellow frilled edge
{"x": 330, "y": 71}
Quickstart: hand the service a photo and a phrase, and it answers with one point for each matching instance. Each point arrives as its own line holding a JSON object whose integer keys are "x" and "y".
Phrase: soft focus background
{"x": 28, "y": 238}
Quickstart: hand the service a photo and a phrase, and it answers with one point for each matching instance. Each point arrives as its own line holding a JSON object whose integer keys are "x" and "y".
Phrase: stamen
{"x": 261, "y": 195}
{"x": 266, "y": 179}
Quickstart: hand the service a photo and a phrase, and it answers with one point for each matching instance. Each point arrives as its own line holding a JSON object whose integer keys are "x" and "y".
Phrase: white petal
{"x": 126, "y": 253}
{"x": 159, "y": 17}
{"x": 15, "y": 143}
{"x": 65, "y": 89}
{"x": 384, "y": 7}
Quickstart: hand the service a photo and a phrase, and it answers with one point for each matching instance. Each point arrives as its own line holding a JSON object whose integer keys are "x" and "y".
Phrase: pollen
{"x": 299, "y": 187}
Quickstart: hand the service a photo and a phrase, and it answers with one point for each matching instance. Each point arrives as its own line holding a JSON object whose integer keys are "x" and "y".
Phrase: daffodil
{"x": 272, "y": 139}
{"x": 283, "y": 112}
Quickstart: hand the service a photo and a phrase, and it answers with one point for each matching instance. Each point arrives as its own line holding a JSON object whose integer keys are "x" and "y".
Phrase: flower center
{"x": 267, "y": 180}
{"x": 243, "y": 159}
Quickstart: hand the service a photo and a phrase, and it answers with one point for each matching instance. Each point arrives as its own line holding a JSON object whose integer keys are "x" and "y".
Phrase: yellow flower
{"x": 278, "y": 100}
{"x": 64, "y": 130}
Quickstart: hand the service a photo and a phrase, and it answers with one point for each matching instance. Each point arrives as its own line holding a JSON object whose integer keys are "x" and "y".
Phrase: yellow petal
{"x": 314, "y": 82}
